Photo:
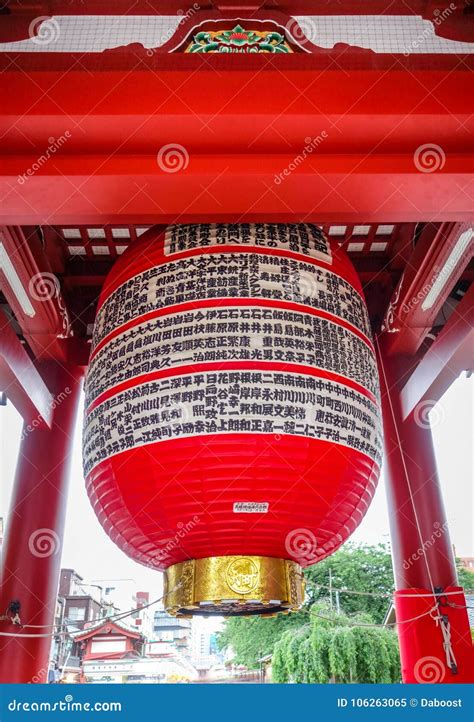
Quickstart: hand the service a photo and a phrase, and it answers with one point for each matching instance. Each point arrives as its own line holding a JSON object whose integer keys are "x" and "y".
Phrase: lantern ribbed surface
{"x": 232, "y": 407}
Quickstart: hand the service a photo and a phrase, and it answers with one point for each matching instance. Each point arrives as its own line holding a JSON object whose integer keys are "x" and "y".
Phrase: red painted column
{"x": 423, "y": 560}
{"x": 32, "y": 547}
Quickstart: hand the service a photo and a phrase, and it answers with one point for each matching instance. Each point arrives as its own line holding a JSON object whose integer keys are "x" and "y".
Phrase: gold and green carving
{"x": 238, "y": 40}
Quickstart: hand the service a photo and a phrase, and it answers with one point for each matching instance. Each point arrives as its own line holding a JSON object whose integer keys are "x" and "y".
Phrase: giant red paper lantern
{"x": 232, "y": 424}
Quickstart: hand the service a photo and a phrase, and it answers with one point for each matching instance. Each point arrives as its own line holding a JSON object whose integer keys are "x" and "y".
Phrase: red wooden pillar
{"x": 32, "y": 546}
{"x": 437, "y": 645}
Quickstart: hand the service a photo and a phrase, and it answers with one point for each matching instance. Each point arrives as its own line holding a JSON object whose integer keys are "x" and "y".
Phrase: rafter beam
{"x": 33, "y": 293}
{"x": 437, "y": 262}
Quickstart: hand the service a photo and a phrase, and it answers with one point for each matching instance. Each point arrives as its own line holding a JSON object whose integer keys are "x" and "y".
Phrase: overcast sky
{"x": 89, "y": 550}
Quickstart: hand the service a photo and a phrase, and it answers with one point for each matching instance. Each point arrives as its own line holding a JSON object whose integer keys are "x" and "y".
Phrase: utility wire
{"x": 362, "y": 624}
{"x": 382, "y": 594}
{"x": 385, "y": 595}
{"x": 114, "y": 618}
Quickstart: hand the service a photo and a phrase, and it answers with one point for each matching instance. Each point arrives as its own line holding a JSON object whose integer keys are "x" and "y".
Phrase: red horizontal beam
{"x": 449, "y": 355}
{"x": 212, "y": 188}
{"x": 130, "y": 82}
{"x": 170, "y": 7}
{"x": 240, "y": 129}
{"x": 20, "y": 380}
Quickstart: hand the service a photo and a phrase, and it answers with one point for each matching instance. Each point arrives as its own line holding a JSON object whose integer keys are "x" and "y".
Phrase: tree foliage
{"x": 315, "y": 651}
{"x": 326, "y": 650}
{"x": 253, "y": 637}
{"x": 465, "y": 577}
{"x": 360, "y": 568}
{"x": 309, "y": 649}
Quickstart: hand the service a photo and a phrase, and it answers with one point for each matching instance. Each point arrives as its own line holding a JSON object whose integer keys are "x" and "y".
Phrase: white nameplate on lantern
{"x": 306, "y": 239}
{"x": 251, "y": 507}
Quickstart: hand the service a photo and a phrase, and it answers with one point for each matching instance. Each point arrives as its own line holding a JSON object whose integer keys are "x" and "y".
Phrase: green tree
{"x": 359, "y": 568}
{"x": 465, "y": 576}
{"x": 253, "y": 637}
{"x": 334, "y": 648}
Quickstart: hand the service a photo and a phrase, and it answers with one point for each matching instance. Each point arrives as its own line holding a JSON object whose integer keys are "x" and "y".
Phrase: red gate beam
{"x": 34, "y": 294}
{"x": 171, "y": 7}
{"x": 449, "y": 355}
{"x": 214, "y": 189}
{"x": 242, "y": 141}
{"x": 438, "y": 261}
{"x": 20, "y": 380}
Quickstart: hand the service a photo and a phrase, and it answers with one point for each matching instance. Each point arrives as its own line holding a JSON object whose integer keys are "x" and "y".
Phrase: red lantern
{"x": 232, "y": 424}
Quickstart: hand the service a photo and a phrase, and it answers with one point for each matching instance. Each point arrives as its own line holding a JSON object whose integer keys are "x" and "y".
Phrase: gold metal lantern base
{"x": 233, "y": 585}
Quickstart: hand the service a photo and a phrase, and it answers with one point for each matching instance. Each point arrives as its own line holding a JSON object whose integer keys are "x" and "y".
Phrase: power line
{"x": 348, "y": 623}
{"x": 115, "y": 618}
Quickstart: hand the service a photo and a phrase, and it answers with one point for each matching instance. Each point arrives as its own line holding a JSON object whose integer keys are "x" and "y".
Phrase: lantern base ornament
{"x": 233, "y": 585}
